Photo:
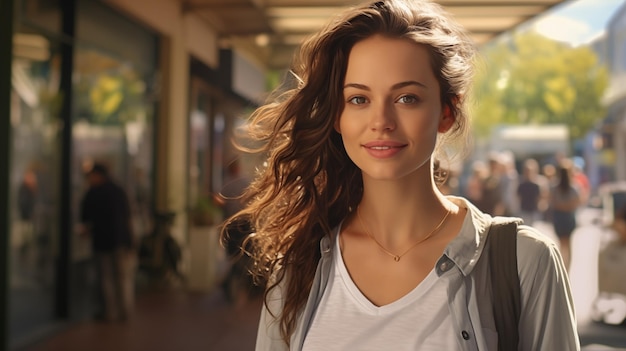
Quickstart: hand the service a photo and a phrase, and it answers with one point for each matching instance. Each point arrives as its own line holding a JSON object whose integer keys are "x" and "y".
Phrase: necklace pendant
{"x": 396, "y": 258}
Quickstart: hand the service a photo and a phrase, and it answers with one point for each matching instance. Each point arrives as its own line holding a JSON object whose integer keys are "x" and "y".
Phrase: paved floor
{"x": 167, "y": 321}
{"x": 176, "y": 320}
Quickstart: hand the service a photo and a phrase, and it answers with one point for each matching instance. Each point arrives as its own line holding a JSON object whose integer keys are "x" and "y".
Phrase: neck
{"x": 417, "y": 191}
{"x": 400, "y": 213}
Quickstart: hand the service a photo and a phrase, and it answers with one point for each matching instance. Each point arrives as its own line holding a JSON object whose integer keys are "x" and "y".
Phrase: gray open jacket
{"x": 547, "y": 319}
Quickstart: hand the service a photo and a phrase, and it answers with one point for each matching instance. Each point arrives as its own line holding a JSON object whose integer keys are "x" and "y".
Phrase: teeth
{"x": 381, "y": 147}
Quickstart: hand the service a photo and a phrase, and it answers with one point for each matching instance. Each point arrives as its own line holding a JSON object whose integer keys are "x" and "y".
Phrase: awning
{"x": 272, "y": 29}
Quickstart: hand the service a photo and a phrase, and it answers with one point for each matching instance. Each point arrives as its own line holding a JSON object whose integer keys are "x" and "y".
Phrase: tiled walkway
{"x": 179, "y": 321}
{"x": 167, "y": 321}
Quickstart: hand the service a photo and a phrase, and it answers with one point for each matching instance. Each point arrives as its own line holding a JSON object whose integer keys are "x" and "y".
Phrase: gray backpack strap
{"x": 505, "y": 284}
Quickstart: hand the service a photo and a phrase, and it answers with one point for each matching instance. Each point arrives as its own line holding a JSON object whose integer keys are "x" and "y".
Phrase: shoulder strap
{"x": 505, "y": 284}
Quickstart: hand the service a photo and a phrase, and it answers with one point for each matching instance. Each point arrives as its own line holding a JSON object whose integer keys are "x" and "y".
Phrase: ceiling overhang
{"x": 271, "y": 30}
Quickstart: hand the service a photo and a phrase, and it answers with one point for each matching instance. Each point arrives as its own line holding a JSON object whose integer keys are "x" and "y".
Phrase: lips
{"x": 386, "y": 144}
{"x": 380, "y": 147}
{"x": 383, "y": 148}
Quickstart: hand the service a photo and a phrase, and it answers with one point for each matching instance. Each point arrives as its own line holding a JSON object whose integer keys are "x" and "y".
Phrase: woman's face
{"x": 392, "y": 108}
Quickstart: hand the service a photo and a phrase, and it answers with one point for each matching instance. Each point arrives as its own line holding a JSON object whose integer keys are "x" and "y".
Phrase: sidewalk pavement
{"x": 167, "y": 321}
{"x": 178, "y": 320}
{"x": 182, "y": 321}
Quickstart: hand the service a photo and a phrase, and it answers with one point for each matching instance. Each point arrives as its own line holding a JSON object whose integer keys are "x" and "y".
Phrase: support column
{"x": 6, "y": 47}
{"x": 172, "y": 138}
{"x": 619, "y": 147}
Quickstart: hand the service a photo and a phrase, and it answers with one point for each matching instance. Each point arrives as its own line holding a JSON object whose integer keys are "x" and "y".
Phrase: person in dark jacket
{"x": 106, "y": 217}
{"x": 530, "y": 193}
{"x": 26, "y": 204}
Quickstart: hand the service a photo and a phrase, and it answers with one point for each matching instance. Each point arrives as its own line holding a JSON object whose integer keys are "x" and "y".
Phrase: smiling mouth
{"x": 380, "y": 147}
{"x": 384, "y": 151}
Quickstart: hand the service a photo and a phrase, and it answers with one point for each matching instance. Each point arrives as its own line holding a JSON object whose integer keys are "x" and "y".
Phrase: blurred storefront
{"x": 614, "y": 126}
{"x": 142, "y": 86}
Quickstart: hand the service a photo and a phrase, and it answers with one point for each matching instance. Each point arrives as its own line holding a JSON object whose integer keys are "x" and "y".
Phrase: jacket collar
{"x": 465, "y": 249}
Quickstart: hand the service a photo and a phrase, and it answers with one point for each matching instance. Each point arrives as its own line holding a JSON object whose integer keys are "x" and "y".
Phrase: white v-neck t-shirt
{"x": 346, "y": 320}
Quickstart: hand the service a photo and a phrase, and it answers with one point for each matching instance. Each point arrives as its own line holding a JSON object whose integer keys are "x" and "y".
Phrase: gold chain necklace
{"x": 398, "y": 257}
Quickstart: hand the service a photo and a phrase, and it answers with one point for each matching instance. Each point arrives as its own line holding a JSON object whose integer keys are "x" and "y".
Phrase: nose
{"x": 383, "y": 118}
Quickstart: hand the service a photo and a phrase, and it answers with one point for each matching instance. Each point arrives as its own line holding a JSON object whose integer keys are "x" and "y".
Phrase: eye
{"x": 357, "y": 100}
{"x": 408, "y": 99}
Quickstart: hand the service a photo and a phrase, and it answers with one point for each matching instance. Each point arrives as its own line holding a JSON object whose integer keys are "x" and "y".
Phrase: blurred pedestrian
{"x": 26, "y": 202}
{"x": 530, "y": 193}
{"x": 238, "y": 284}
{"x": 619, "y": 226}
{"x": 548, "y": 181}
{"x": 564, "y": 201}
{"x": 509, "y": 181}
{"x": 234, "y": 184}
{"x": 231, "y": 201}
{"x": 159, "y": 253}
{"x": 106, "y": 218}
{"x": 474, "y": 185}
{"x": 362, "y": 250}
{"x": 492, "y": 201}
{"x": 27, "y": 195}
{"x": 580, "y": 178}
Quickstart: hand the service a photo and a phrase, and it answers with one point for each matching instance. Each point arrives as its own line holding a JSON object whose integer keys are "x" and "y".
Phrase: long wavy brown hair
{"x": 308, "y": 183}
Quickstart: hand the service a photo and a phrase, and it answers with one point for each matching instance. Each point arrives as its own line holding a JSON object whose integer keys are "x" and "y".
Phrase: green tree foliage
{"x": 531, "y": 79}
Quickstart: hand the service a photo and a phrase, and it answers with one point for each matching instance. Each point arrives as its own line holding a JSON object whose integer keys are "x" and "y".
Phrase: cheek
{"x": 350, "y": 133}
{"x": 344, "y": 123}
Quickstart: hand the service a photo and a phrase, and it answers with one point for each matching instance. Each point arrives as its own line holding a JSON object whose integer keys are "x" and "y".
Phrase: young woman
{"x": 564, "y": 201}
{"x": 362, "y": 250}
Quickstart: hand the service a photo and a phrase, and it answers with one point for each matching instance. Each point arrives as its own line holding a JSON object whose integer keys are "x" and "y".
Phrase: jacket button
{"x": 444, "y": 266}
{"x": 465, "y": 335}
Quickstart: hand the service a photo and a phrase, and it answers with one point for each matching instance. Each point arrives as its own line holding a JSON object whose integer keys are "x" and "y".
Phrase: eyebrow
{"x": 393, "y": 87}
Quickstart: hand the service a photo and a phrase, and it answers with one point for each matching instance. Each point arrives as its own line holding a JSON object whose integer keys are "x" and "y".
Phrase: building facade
{"x": 142, "y": 86}
{"x": 615, "y": 98}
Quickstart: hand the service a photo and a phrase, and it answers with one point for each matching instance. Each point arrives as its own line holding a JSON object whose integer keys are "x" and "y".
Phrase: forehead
{"x": 382, "y": 59}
